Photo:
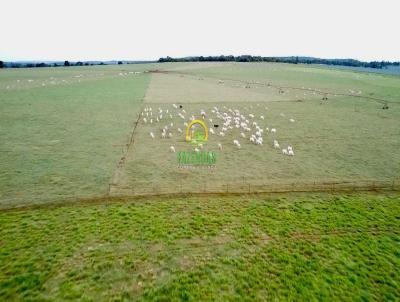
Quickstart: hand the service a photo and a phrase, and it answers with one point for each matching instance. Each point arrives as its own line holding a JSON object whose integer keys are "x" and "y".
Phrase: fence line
{"x": 182, "y": 187}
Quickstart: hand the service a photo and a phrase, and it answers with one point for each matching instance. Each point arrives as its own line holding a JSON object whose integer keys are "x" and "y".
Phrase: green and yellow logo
{"x": 197, "y": 135}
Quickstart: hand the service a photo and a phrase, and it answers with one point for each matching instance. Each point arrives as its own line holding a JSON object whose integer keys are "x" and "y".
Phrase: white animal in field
{"x": 267, "y": 129}
{"x": 179, "y": 130}
{"x": 201, "y": 146}
{"x": 290, "y": 147}
{"x": 243, "y": 135}
{"x": 291, "y": 153}
{"x": 259, "y": 141}
{"x": 211, "y": 130}
{"x": 262, "y": 117}
{"x": 273, "y": 130}
{"x": 170, "y": 116}
{"x": 222, "y": 133}
{"x": 254, "y": 124}
{"x": 220, "y": 82}
{"x": 172, "y": 149}
{"x": 183, "y": 110}
{"x": 224, "y": 129}
{"x": 152, "y": 134}
{"x": 172, "y": 125}
{"x": 276, "y": 144}
{"x": 174, "y": 105}
{"x": 169, "y": 134}
{"x": 236, "y": 143}
{"x": 145, "y": 120}
{"x": 284, "y": 152}
{"x": 196, "y": 150}
{"x": 151, "y": 121}
{"x": 282, "y": 114}
{"x": 185, "y": 124}
{"x": 291, "y": 120}
{"x": 219, "y": 146}
{"x": 251, "y": 115}
{"x": 163, "y": 134}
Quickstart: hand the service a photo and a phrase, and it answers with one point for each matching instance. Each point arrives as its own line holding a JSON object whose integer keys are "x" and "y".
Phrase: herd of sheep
{"x": 225, "y": 119}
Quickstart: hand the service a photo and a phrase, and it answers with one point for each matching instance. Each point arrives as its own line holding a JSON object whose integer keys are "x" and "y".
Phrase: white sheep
{"x": 179, "y": 130}
{"x": 284, "y": 152}
{"x": 291, "y": 153}
{"x": 222, "y": 133}
{"x": 273, "y": 130}
{"x": 243, "y": 135}
{"x": 145, "y": 120}
{"x": 211, "y": 130}
{"x": 276, "y": 144}
{"x": 152, "y": 134}
{"x": 170, "y": 135}
{"x": 172, "y": 149}
{"x": 291, "y": 120}
{"x": 220, "y": 146}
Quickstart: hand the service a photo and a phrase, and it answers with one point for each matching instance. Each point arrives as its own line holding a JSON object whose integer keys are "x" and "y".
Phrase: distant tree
{"x": 66, "y": 63}
{"x": 86, "y": 64}
{"x": 120, "y": 63}
{"x": 101, "y": 63}
{"x": 55, "y": 65}
{"x": 1, "y": 64}
{"x": 79, "y": 63}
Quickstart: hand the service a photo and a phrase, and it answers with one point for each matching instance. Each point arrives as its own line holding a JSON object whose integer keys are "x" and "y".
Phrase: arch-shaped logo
{"x": 195, "y": 135}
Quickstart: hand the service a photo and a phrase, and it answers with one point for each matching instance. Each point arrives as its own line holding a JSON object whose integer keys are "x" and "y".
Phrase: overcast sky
{"x": 148, "y": 29}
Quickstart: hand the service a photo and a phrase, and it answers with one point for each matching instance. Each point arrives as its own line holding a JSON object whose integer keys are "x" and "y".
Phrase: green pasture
{"x": 247, "y": 248}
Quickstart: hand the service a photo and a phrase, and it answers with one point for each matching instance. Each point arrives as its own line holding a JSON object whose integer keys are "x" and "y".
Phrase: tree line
{"x": 291, "y": 60}
{"x": 58, "y": 64}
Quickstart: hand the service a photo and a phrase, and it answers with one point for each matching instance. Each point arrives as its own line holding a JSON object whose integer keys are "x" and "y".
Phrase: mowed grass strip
{"x": 248, "y": 248}
{"x": 64, "y": 140}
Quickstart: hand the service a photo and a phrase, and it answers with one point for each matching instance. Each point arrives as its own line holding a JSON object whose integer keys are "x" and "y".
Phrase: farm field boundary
{"x": 182, "y": 187}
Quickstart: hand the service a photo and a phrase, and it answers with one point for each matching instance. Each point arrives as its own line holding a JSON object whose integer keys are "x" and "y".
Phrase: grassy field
{"x": 345, "y": 139}
{"x": 247, "y": 248}
{"x": 64, "y": 139}
{"x": 64, "y": 130}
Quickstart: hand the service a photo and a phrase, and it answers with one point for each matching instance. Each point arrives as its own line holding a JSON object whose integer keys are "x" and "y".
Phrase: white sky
{"x": 148, "y": 29}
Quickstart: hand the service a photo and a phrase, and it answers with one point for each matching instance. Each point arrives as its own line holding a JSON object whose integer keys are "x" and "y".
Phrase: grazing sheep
{"x": 152, "y": 134}
{"x": 276, "y": 144}
{"x": 262, "y": 117}
{"x": 222, "y": 133}
{"x": 291, "y": 153}
{"x": 219, "y": 146}
{"x": 211, "y": 130}
{"x": 243, "y": 135}
{"x": 172, "y": 125}
{"x": 196, "y": 150}
{"x": 179, "y": 130}
{"x": 145, "y": 120}
{"x": 174, "y": 105}
{"x": 163, "y": 134}
{"x": 172, "y": 149}
{"x": 273, "y": 130}
{"x": 251, "y": 115}
{"x": 284, "y": 152}
{"x": 291, "y": 120}
{"x": 201, "y": 146}
{"x": 170, "y": 135}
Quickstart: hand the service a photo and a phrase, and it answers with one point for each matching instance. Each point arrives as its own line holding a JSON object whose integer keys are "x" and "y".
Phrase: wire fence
{"x": 190, "y": 187}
